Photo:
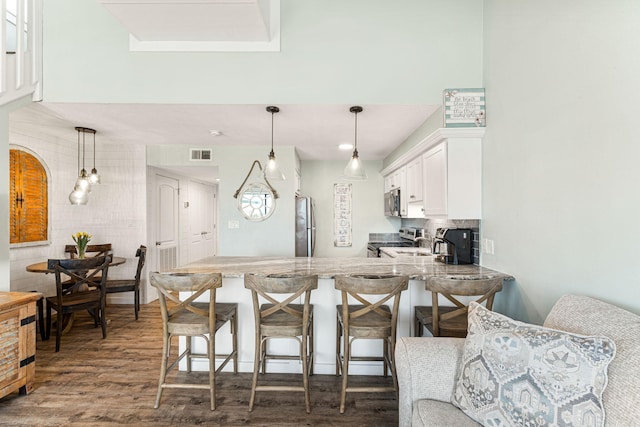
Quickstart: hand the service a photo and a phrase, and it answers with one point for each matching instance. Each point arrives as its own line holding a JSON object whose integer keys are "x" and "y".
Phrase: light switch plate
{"x": 234, "y": 224}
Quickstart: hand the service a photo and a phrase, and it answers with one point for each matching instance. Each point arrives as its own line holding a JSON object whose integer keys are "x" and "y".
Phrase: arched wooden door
{"x": 28, "y": 199}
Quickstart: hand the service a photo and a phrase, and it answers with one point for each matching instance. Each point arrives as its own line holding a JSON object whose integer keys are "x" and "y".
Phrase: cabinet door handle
{"x": 412, "y": 196}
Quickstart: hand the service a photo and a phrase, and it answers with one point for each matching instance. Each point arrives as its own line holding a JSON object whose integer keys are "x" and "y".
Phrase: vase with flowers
{"x": 82, "y": 239}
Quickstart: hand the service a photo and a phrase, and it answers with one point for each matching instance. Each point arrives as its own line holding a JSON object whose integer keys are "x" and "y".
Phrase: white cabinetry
{"x": 395, "y": 180}
{"x": 414, "y": 194}
{"x": 452, "y": 179}
{"x": 414, "y": 181}
{"x": 440, "y": 177}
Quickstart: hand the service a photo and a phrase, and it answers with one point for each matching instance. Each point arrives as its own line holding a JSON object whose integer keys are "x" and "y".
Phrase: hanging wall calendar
{"x": 342, "y": 215}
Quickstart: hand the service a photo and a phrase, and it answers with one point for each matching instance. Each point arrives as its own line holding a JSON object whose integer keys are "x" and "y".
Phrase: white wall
{"x": 561, "y": 152}
{"x": 116, "y": 211}
{"x": 274, "y": 236}
{"x": 318, "y": 179}
{"x": 332, "y": 51}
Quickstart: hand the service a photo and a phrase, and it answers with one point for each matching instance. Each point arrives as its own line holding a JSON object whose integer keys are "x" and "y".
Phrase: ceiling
{"x": 315, "y": 130}
{"x": 202, "y": 20}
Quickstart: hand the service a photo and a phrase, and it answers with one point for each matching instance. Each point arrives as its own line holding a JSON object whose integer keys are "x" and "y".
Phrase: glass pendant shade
{"x": 78, "y": 197}
{"x": 94, "y": 178}
{"x": 82, "y": 188}
{"x": 272, "y": 170}
{"x": 83, "y": 183}
{"x": 355, "y": 169}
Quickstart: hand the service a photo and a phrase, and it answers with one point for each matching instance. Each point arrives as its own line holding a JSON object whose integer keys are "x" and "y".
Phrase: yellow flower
{"x": 81, "y": 237}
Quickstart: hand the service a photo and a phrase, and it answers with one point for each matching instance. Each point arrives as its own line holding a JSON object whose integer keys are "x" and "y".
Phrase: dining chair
{"x": 85, "y": 291}
{"x": 451, "y": 321}
{"x": 277, "y": 316}
{"x": 183, "y": 316}
{"x": 130, "y": 285}
{"x": 371, "y": 319}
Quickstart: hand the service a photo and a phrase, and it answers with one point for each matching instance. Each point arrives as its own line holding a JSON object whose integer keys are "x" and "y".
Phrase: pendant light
{"x": 94, "y": 178}
{"x": 80, "y": 193}
{"x": 272, "y": 170}
{"x": 354, "y": 169}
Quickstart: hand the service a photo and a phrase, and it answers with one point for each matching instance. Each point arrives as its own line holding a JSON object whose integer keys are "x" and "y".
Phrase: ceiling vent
{"x": 201, "y": 154}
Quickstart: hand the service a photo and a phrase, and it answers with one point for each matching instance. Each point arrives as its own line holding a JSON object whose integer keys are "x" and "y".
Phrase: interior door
{"x": 201, "y": 221}
{"x": 167, "y": 237}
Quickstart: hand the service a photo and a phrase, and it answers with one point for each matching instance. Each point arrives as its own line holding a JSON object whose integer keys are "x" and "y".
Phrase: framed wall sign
{"x": 342, "y": 215}
{"x": 464, "y": 108}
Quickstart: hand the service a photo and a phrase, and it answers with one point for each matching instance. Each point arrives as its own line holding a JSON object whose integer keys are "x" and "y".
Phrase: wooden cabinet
{"x": 17, "y": 341}
{"x": 452, "y": 173}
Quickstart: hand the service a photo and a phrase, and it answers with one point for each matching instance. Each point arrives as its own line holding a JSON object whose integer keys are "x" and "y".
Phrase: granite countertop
{"x": 416, "y": 267}
{"x": 414, "y": 251}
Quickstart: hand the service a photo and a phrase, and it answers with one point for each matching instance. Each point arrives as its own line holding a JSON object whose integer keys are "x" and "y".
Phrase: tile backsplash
{"x": 430, "y": 226}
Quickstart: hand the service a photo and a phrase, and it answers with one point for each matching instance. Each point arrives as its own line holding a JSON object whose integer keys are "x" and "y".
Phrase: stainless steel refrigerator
{"x": 305, "y": 227}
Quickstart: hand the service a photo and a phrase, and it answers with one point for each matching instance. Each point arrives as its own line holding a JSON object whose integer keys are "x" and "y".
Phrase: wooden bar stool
{"x": 447, "y": 321}
{"x": 280, "y": 317}
{"x": 187, "y": 318}
{"x": 368, "y": 320}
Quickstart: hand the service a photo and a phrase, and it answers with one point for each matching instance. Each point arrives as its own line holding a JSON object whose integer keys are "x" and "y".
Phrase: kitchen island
{"x": 324, "y": 300}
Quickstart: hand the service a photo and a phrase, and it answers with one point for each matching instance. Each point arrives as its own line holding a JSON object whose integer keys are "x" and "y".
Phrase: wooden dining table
{"x": 42, "y": 267}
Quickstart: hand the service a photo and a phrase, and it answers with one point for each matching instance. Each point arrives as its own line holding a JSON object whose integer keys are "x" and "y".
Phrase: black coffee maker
{"x": 453, "y": 246}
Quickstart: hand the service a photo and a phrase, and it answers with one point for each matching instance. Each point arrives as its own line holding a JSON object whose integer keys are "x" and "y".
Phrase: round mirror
{"x": 256, "y": 201}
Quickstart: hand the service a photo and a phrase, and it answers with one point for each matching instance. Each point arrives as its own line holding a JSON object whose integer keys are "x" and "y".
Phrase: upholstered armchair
{"x": 428, "y": 368}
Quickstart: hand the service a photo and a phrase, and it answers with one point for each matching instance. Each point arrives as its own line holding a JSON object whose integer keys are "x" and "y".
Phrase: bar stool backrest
{"x": 357, "y": 285}
{"x": 169, "y": 286}
{"x": 265, "y": 286}
{"x": 485, "y": 288}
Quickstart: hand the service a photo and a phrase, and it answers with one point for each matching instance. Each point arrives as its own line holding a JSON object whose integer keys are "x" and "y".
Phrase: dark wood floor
{"x": 96, "y": 382}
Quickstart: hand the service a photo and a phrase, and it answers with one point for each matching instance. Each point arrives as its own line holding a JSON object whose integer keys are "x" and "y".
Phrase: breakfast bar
{"x": 324, "y": 300}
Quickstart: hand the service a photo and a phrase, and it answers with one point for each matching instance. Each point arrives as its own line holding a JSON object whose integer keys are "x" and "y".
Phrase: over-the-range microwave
{"x": 392, "y": 202}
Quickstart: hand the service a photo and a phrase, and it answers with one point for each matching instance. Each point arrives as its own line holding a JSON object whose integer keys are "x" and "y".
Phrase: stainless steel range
{"x": 407, "y": 239}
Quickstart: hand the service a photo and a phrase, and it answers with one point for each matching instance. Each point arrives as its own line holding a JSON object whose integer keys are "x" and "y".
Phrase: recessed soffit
{"x": 199, "y": 25}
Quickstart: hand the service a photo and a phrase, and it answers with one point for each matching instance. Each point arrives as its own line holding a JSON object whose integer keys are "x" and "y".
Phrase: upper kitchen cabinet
{"x": 414, "y": 181}
{"x": 443, "y": 175}
{"x": 452, "y": 173}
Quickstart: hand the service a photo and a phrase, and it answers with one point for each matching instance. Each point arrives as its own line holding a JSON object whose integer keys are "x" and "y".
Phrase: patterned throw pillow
{"x": 517, "y": 374}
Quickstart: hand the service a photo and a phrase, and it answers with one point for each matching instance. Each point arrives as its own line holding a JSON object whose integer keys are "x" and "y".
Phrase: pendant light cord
{"x": 355, "y": 138}
{"x": 78, "y": 153}
{"x": 272, "y": 154}
{"x": 84, "y": 151}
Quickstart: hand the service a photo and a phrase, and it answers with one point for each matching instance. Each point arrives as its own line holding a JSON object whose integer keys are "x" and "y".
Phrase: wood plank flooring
{"x": 96, "y": 382}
